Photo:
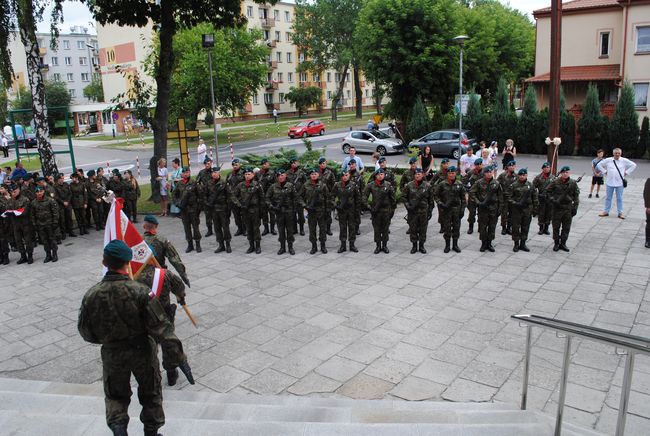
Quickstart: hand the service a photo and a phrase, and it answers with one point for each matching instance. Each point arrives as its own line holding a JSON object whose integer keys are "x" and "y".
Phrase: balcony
{"x": 273, "y": 65}
{"x": 45, "y": 67}
{"x": 267, "y": 23}
{"x": 272, "y": 43}
{"x": 271, "y": 85}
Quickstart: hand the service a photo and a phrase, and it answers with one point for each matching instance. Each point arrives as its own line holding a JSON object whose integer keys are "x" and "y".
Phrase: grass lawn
{"x": 31, "y": 163}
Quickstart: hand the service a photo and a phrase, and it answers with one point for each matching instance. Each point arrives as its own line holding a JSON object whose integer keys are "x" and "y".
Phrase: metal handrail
{"x": 631, "y": 343}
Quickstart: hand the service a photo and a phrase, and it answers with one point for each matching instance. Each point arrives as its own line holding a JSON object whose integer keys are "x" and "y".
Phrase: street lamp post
{"x": 460, "y": 40}
{"x": 208, "y": 42}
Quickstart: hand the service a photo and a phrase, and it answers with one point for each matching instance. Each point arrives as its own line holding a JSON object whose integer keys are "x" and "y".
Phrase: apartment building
{"x": 604, "y": 42}
{"x": 73, "y": 62}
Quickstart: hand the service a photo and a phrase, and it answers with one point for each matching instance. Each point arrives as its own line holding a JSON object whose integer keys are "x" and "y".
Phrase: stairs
{"x": 48, "y": 408}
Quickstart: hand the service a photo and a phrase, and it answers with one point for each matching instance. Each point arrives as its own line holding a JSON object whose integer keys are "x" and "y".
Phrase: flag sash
{"x": 157, "y": 285}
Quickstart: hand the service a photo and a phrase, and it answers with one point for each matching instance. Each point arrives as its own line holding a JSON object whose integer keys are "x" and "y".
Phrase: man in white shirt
{"x": 4, "y": 145}
{"x": 467, "y": 161}
{"x": 615, "y": 168}
{"x": 352, "y": 156}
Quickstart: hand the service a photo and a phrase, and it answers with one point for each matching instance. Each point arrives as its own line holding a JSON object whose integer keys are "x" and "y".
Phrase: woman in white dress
{"x": 163, "y": 182}
{"x": 201, "y": 151}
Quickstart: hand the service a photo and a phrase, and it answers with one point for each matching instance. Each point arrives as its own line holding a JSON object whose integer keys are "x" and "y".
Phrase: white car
{"x": 371, "y": 141}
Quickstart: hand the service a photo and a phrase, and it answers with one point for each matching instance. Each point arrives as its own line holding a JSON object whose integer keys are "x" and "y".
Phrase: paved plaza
{"x": 401, "y": 326}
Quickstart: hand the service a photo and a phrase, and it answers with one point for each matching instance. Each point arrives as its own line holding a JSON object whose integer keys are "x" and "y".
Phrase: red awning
{"x": 586, "y": 73}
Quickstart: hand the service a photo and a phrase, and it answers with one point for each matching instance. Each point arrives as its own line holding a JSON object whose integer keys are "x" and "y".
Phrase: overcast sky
{"x": 76, "y": 13}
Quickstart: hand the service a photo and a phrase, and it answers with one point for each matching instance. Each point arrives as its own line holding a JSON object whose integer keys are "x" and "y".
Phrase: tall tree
{"x": 528, "y": 125}
{"x": 624, "y": 128}
{"x": 304, "y": 97}
{"x": 22, "y": 16}
{"x": 472, "y": 121}
{"x": 56, "y": 94}
{"x": 4, "y": 105}
{"x": 419, "y": 122}
{"x": 95, "y": 91}
{"x": 644, "y": 139}
{"x": 323, "y": 31}
{"x": 503, "y": 120}
{"x": 592, "y": 125}
{"x": 408, "y": 46}
{"x": 168, "y": 16}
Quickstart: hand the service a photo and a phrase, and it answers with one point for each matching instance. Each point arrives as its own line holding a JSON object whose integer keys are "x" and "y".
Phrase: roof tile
{"x": 583, "y": 73}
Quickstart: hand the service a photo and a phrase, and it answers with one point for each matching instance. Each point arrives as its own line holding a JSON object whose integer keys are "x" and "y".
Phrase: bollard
{"x": 137, "y": 165}
{"x": 210, "y": 152}
{"x": 232, "y": 152}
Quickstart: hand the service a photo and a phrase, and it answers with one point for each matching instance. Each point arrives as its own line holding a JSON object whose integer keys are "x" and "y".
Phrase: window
{"x": 70, "y": 77}
{"x": 55, "y": 60}
{"x": 289, "y": 57}
{"x": 267, "y": 35}
{"x": 68, "y": 60}
{"x": 66, "y": 44}
{"x": 287, "y": 16}
{"x": 301, "y": 57}
{"x": 287, "y": 37}
{"x": 81, "y": 45}
{"x": 347, "y": 77}
{"x": 641, "y": 94}
{"x": 72, "y": 93}
{"x": 262, "y": 13}
{"x": 643, "y": 39}
{"x": 249, "y": 11}
{"x": 276, "y": 15}
{"x": 278, "y": 56}
{"x": 337, "y": 77}
{"x": 348, "y": 92}
{"x": 303, "y": 77}
{"x": 604, "y": 44}
{"x": 95, "y": 60}
{"x": 83, "y": 60}
{"x": 85, "y": 77}
{"x": 290, "y": 77}
{"x": 56, "y": 77}
{"x": 316, "y": 77}
{"x": 329, "y": 95}
{"x": 277, "y": 35}
{"x": 268, "y": 98}
{"x": 280, "y": 77}
{"x": 269, "y": 77}
{"x": 282, "y": 97}
{"x": 329, "y": 77}
{"x": 367, "y": 93}
{"x": 255, "y": 96}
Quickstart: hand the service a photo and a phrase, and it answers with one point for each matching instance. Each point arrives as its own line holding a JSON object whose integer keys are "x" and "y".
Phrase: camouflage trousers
{"x": 418, "y": 222}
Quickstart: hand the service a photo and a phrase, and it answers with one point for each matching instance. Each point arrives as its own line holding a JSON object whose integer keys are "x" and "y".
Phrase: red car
{"x": 307, "y": 128}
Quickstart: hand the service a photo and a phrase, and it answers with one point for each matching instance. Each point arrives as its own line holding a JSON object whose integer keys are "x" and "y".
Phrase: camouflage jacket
{"x": 357, "y": 178}
{"x": 63, "y": 194}
{"x": 21, "y": 202}
{"x": 79, "y": 196}
{"x": 172, "y": 284}
{"x": 450, "y": 195}
{"x": 487, "y": 195}
{"x": 203, "y": 177}
{"x": 44, "y": 213}
{"x": 163, "y": 249}
{"x": 327, "y": 176}
{"x": 314, "y": 196}
{"x": 346, "y": 196}
{"x": 418, "y": 196}
{"x": 540, "y": 183}
{"x": 282, "y": 197}
{"x": 383, "y": 196}
{"x": 523, "y": 196}
{"x": 248, "y": 195}
{"x": 187, "y": 196}
{"x": 95, "y": 191}
{"x": 265, "y": 178}
{"x": 564, "y": 195}
{"x": 131, "y": 190}
{"x": 4, "y": 222}
{"x": 296, "y": 178}
{"x": 117, "y": 186}
{"x": 218, "y": 195}
{"x": 407, "y": 178}
{"x": 470, "y": 178}
{"x": 504, "y": 179}
{"x": 235, "y": 178}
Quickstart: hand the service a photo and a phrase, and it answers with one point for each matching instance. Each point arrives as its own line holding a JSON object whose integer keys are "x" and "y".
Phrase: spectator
{"x": 485, "y": 155}
{"x": 509, "y": 153}
{"x": 370, "y": 125}
{"x": 6, "y": 176}
{"x": 19, "y": 171}
{"x": 275, "y": 115}
{"x": 494, "y": 151}
{"x": 427, "y": 163}
{"x": 375, "y": 158}
{"x": 352, "y": 156}
{"x": 201, "y": 151}
{"x": 646, "y": 200}
{"x": 175, "y": 177}
{"x": 597, "y": 178}
{"x": 616, "y": 168}
{"x": 467, "y": 161}
{"x": 163, "y": 184}
{"x": 4, "y": 144}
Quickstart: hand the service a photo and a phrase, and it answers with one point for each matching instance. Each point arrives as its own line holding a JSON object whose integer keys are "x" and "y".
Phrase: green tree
{"x": 304, "y": 97}
{"x": 56, "y": 94}
{"x": 472, "y": 121}
{"x": 528, "y": 125}
{"x": 592, "y": 125}
{"x": 95, "y": 91}
{"x": 419, "y": 122}
{"x": 644, "y": 139}
{"x": 407, "y": 45}
{"x": 20, "y": 17}
{"x": 323, "y": 31}
{"x": 567, "y": 128}
{"x": 503, "y": 120}
{"x": 624, "y": 127}
{"x": 4, "y": 105}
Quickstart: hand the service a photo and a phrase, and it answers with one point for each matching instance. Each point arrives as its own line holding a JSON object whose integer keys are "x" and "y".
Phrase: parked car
{"x": 307, "y": 128}
{"x": 371, "y": 141}
{"x": 25, "y": 140}
{"x": 445, "y": 143}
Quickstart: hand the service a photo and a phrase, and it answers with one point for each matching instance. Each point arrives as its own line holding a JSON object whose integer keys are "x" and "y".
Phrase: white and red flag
{"x": 157, "y": 285}
{"x": 14, "y": 212}
{"x": 119, "y": 227}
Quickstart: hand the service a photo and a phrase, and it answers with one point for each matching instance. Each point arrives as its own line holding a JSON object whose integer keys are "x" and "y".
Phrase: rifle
{"x": 579, "y": 179}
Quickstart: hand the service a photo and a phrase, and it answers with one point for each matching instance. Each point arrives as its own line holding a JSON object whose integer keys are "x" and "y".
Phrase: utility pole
{"x": 554, "y": 84}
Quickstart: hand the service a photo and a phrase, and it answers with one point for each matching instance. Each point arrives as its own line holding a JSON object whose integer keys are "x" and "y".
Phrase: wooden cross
{"x": 183, "y": 135}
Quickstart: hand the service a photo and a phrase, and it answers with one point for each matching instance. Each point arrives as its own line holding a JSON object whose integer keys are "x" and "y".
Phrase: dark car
{"x": 445, "y": 143}
{"x": 25, "y": 140}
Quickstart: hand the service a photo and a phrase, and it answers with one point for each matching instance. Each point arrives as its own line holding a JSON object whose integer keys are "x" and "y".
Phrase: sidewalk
{"x": 398, "y": 326}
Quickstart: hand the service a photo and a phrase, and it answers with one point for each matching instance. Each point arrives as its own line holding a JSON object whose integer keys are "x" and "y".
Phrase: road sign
{"x": 116, "y": 116}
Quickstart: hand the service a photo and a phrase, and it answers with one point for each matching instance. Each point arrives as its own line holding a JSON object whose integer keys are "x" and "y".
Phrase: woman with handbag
{"x": 615, "y": 168}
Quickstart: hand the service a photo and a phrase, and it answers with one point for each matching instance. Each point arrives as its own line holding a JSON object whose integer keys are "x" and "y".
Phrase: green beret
{"x": 380, "y": 171}
{"x": 313, "y": 170}
{"x": 13, "y": 187}
{"x": 74, "y": 175}
{"x": 248, "y": 170}
{"x": 280, "y": 171}
{"x": 265, "y": 160}
{"x": 235, "y": 161}
{"x": 413, "y": 160}
{"x": 511, "y": 163}
{"x": 444, "y": 161}
{"x": 185, "y": 169}
{"x": 59, "y": 176}
{"x": 292, "y": 160}
{"x": 565, "y": 168}
{"x": 487, "y": 169}
{"x": 40, "y": 179}
{"x": 452, "y": 169}
{"x": 90, "y": 173}
{"x": 418, "y": 170}
{"x": 206, "y": 160}
{"x": 38, "y": 189}
{"x": 383, "y": 159}
{"x": 522, "y": 171}
{"x": 116, "y": 172}
{"x": 151, "y": 219}
{"x": 478, "y": 161}
{"x": 321, "y": 160}
{"x": 546, "y": 165}
{"x": 119, "y": 250}
{"x": 215, "y": 169}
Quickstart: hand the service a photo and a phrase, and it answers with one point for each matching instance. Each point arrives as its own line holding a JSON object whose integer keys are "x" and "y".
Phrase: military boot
{"x": 489, "y": 247}
{"x": 187, "y": 372}
{"x": 273, "y": 232}
{"x": 118, "y": 429}
{"x": 172, "y": 376}
{"x": 378, "y": 248}
{"x": 441, "y": 230}
{"x": 329, "y": 231}
{"x": 190, "y": 247}
{"x": 509, "y": 229}
{"x": 228, "y": 249}
{"x": 282, "y": 249}
{"x": 258, "y": 248}
{"x": 266, "y": 229}
{"x": 302, "y": 229}
{"x": 323, "y": 248}
{"x": 546, "y": 232}
{"x": 353, "y": 249}
{"x": 541, "y": 229}
{"x": 152, "y": 433}
{"x": 251, "y": 247}
{"x": 556, "y": 245}
{"x": 55, "y": 256}
{"x": 209, "y": 233}
{"x": 563, "y": 246}
{"x": 314, "y": 248}
{"x": 30, "y": 257}
{"x": 220, "y": 248}
{"x": 483, "y": 246}
{"x": 471, "y": 229}
{"x": 48, "y": 256}
{"x": 238, "y": 232}
{"x": 72, "y": 234}
{"x": 414, "y": 248}
{"x": 516, "y": 247}
{"x": 522, "y": 246}
{"x": 198, "y": 246}
{"x": 504, "y": 230}
{"x": 455, "y": 245}
{"x": 290, "y": 249}
{"x": 422, "y": 249}
{"x": 342, "y": 248}
{"x": 447, "y": 247}
{"x": 5, "y": 260}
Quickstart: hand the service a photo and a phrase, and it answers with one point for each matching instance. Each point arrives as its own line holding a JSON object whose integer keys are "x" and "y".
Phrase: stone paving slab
{"x": 396, "y": 326}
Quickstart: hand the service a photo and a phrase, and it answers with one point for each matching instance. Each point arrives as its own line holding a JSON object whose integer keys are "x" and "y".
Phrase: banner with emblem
{"x": 14, "y": 212}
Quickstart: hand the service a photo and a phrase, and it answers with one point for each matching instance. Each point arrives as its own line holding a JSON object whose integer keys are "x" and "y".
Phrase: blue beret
{"x": 280, "y": 171}
{"x": 444, "y": 161}
{"x": 235, "y": 161}
{"x": 511, "y": 163}
{"x": 418, "y": 170}
{"x": 321, "y": 160}
{"x": 216, "y": 168}
{"x": 413, "y": 160}
{"x": 13, "y": 187}
{"x": 382, "y": 159}
{"x": 151, "y": 219}
{"x": 478, "y": 161}
{"x": 248, "y": 170}
{"x": 522, "y": 171}
{"x": 119, "y": 250}
{"x": 452, "y": 169}
{"x": 546, "y": 165}
{"x": 565, "y": 168}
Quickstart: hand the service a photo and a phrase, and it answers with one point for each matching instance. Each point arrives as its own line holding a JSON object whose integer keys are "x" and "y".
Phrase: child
{"x": 597, "y": 178}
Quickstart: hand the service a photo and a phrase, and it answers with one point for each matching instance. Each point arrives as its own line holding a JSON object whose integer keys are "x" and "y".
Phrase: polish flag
{"x": 157, "y": 285}
{"x": 14, "y": 212}
{"x": 119, "y": 227}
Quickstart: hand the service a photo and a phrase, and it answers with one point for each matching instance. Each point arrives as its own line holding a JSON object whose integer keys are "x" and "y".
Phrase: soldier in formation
{"x": 297, "y": 178}
{"x": 327, "y": 177}
{"x": 505, "y": 179}
{"x": 347, "y": 201}
{"x": 266, "y": 177}
{"x": 248, "y": 196}
{"x": 564, "y": 194}
{"x": 450, "y": 196}
{"x": 468, "y": 180}
{"x": 314, "y": 198}
{"x": 487, "y": 194}
{"x": 202, "y": 180}
{"x": 79, "y": 202}
{"x": 5, "y": 225}
{"x": 44, "y": 214}
{"x": 282, "y": 200}
{"x": 235, "y": 177}
{"x": 162, "y": 249}
{"x": 523, "y": 201}
{"x": 217, "y": 200}
{"x": 381, "y": 208}
{"x": 541, "y": 183}
{"x": 187, "y": 198}
{"x": 419, "y": 202}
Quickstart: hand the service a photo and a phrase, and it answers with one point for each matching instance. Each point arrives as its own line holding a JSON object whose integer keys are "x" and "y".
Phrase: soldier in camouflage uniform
{"x": 203, "y": 179}
{"x": 418, "y": 200}
{"x": 187, "y": 198}
{"x": 468, "y": 181}
{"x": 5, "y": 226}
{"x": 119, "y": 314}
{"x": 79, "y": 202}
{"x": 218, "y": 197}
{"x": 314, "y": 197}
{"x": 486, "y": 193}
{"x": 282, "y": 200}
{"x": 540, "y": 183}
{"x": 505, "y": 179}
{"x": 64, "y": 200}
{"x": 162, "y": 248}
{"x": 523, "y": 206}
{"x": 357, "y": 179}
{"x": 116, "y": 184}
{"x": 131, "y": 195}
{"x": 409, "y": 175}
{"x": 22, "y": 226}
{"x": 249, "y": 196}
{"x": 326, "y": 175}
{"x": 266, "y": 177}
{"x": 450, "y": 196}
{"x": 235, "y": 177}
{"x": 436, "y": 178}
{"x": 297, "y": 177}
{"x": 383, "y": 204}
{"x": 104, "y": 181}
{"x": 45, "y": 217}
{"x": 347, "y": 201}
{"x": 564, "y": 193}
{"x": 95, "y": 193}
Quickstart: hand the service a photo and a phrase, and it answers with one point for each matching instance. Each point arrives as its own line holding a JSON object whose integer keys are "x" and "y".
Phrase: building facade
{"x": 74, "y": 62}
{"x": 604, "y": 42}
